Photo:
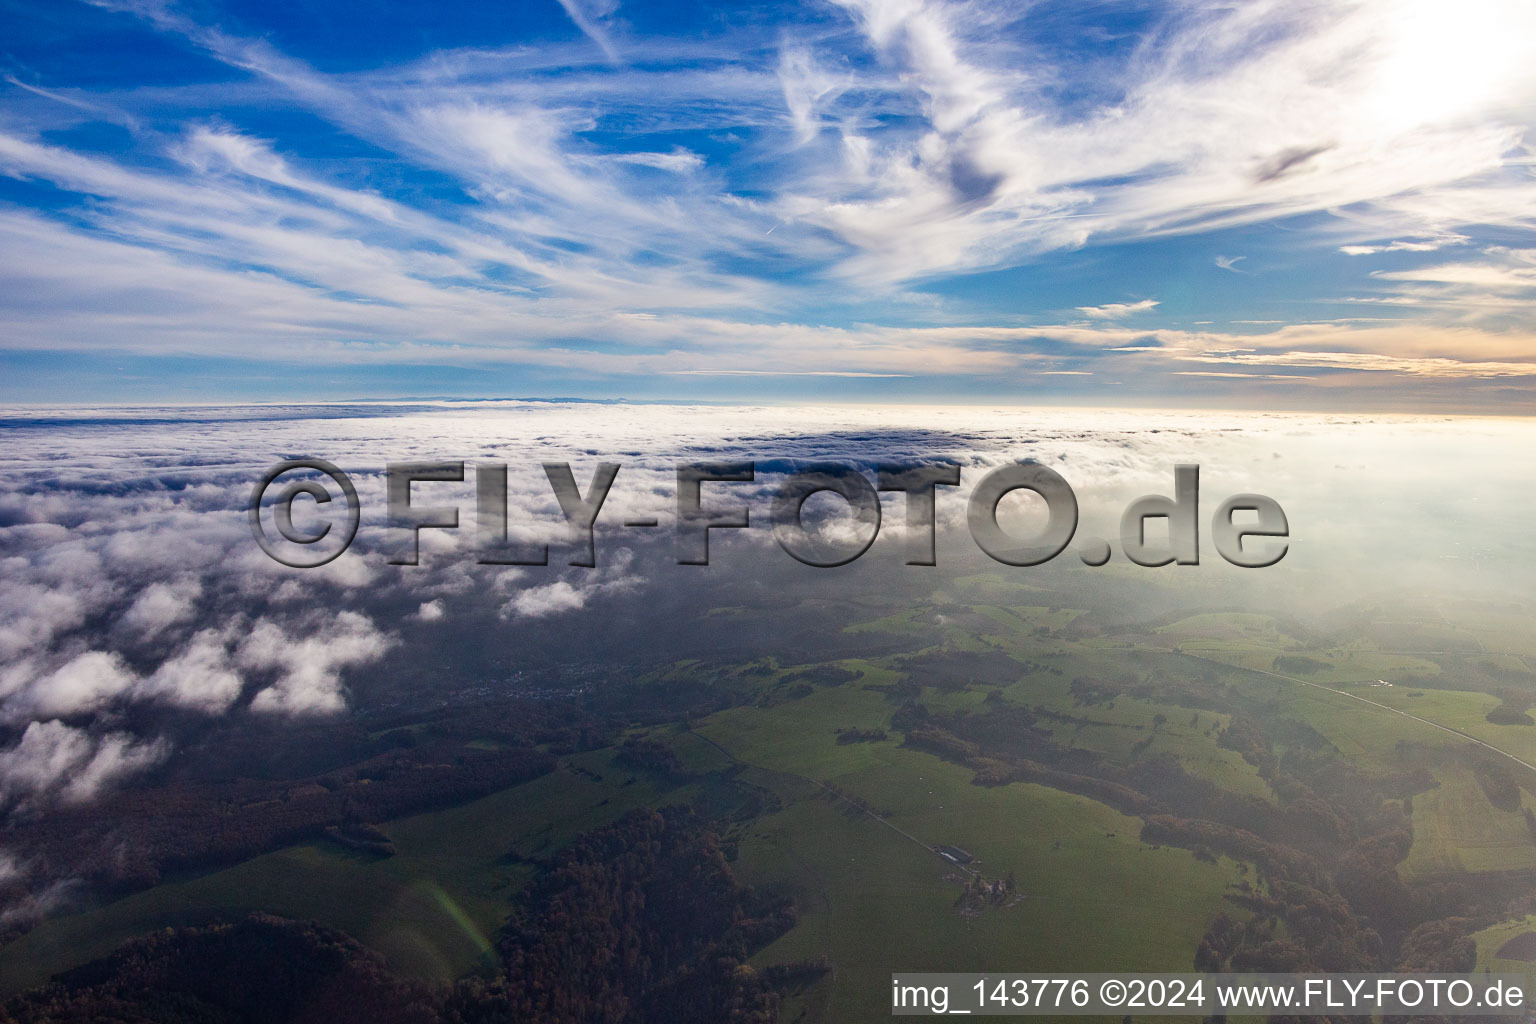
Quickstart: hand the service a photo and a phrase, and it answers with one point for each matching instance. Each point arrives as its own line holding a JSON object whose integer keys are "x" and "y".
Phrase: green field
{"x": 871, "y": 897}
{"x": 1491, "y": 940}
{"x": 878, "y": 900}
{"x": 1232, "y": 627}
{"x": 1456, "y": 831}
{"x": 849, "y": 828}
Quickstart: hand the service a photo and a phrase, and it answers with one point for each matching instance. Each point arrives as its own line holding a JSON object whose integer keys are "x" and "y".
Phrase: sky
{"x": 1250, "y": 204}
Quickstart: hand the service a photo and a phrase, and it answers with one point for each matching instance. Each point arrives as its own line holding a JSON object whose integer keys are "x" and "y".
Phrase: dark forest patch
{"x": 1521, "y": 947}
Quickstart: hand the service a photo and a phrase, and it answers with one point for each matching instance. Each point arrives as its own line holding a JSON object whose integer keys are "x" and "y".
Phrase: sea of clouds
{"x": 132, "y": 580}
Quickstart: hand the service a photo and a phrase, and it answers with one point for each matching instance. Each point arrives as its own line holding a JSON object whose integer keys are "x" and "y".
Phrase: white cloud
{"x": 807, "y": 87}
{"x": 10, "y": 869}
{"x": 199, "y": 676}
{"x": 56, "y": 760}
{"x": 1117, "y": 310}
{"x": 309, "y": 664}
{"x": 31, "y": 615}
{"x": 589, "y": 16}
{"x": 1405, "y": 245}
{"x": 1521, "y": 276}
{"x": 117, "y": 755}
{"x": 563, "y": 595}
{"x": 36, "y": 903}
{"x": 677, "y": 160}
{"x": 161, "y": 605}
{"x": 547, "y": 599}
{"x": 86, "y": 682}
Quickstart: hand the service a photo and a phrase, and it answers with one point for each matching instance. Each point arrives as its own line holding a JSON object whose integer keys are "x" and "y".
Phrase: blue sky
{"x": 1266, "y": 204}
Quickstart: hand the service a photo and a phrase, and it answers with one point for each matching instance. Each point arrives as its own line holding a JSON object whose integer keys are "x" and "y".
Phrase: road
{"x": 1375, "y": 704}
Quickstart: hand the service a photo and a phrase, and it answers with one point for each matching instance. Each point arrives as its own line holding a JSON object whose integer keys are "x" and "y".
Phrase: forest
{"x": 640, "y": 920}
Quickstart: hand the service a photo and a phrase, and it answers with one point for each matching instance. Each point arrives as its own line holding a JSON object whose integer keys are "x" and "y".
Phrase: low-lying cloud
{"x": 134, "y": 586}
{"x": 57, "y": 760}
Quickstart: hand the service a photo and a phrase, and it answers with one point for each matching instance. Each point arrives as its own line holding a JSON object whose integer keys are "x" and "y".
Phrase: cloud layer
{"x": 136, "y": 596}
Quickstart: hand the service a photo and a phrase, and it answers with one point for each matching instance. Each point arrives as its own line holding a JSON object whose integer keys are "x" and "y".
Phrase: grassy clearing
{"x": 1331, "y": 667}
{"x": 1417, "y": 635}
{"x": 1232, "y": 627}
{"x": 995, "y": 586}
{"x": 1367, "y": 734}
{"x": 897, "y": 622}
{"x": 1467, "y": 712}
{"x": 800, "y": 736}
{"x": 1192, "y": 736}
{"x": 1096, "y": 897}
{"x": 1030, "y": 618}
{"x": 1457, "y": 831}
{"x": 1491, "y": 940}
{"x": 1370, "y": 736}
{"x": 1501, "y": 629}
{"x": 877, "y": 901}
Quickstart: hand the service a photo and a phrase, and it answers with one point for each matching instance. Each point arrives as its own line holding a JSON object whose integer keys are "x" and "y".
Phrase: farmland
{"x": 1032, "y": 736}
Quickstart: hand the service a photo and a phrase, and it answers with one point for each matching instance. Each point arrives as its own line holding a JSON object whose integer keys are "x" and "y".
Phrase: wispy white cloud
{"x": 808, "y": 88}
{"x": 1117, "y": 310}
{"x": 10, "y": 868}
{"x": 1517, "y": 272}
{"x": 856, "y": 160}
{"x": 1430, "y": 367}
{"x": 1405, "y": 245}
{"x": 782, "y": 373}
{"x": 1230, "y": 375}
{"x": 589, "y": 16}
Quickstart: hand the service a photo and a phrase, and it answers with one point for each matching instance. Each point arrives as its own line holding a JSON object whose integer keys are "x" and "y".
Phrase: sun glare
{"x": 1451, "y": 61}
